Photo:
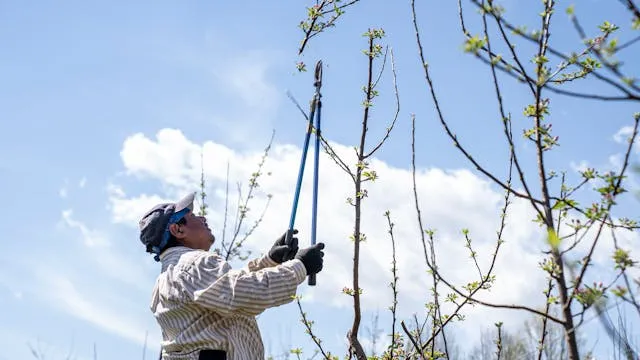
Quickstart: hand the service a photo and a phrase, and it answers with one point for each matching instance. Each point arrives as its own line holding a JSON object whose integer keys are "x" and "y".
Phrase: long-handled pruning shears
{"x": 315, "y": 112}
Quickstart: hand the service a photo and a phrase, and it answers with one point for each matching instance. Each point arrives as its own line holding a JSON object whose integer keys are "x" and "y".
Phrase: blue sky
{"x": 107, "y": 106}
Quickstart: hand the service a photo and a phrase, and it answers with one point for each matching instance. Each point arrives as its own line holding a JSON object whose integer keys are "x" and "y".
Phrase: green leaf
{"x": 608, "y": 27}
{"x": 564, "y": 204}
{"x": 553, "y": 239}
{"x": 474, "y": 44}
{"x": 622, "y": 259}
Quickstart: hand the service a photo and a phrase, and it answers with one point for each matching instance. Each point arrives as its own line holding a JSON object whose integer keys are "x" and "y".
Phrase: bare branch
{"x": 307, "y": 34}
{"x": 355, "y": 348}
{"x": 325, "y": 144}
{"x": 499, "y": 341}
{"x": 308, "y": 325}
{"x": 588, "y": 258}
{"x": 505, "y": 67}
{"x": 561, "y": 55}
{"x": 413, "y": 340}
{"x": 394, "y": 284}
{"x": 545, "y": 322}
{"x": 341, "y": 7}
{"x": 319, "y": 11}
{"x": 243, "y": 208}
{"x": 628, "y": 43}
{"x": 395, "y": 117}
{"x": 506, "y": 120}
{"x": 384, "y": 63}
{"x": 631, "y": 299}
{"x": 444, "y": 122}
{"x": 612, "y": 67}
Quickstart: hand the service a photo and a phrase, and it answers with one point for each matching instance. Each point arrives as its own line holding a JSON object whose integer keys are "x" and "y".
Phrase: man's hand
{"x": 281, "y": 251}
{"x": 311, "y": 257}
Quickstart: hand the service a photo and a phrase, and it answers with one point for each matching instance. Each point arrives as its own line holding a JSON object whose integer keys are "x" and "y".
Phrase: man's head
{"x": 171, "y": 224}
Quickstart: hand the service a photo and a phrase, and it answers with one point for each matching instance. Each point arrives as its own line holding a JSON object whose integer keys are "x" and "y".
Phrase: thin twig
{"x": 631, "y": 7}
{"x": 336, "y": 9}
{"x": 588, "y": 258}
{"x": 499, "y": 343}
{"x": 561, "y": 55}
{"x": 355, "y": 347}
{"x": 545, "y": 322}
{"x": 384, "y": 63}
{"x": 505, "y": 67}
{"x": 506, "y": 120}
{"x": 307, "y": 34}
{"x": 628, "y": 43}
{"x": 243, "y": 208}
{"x": 394, "y": 285}
{"x": 633, "y": 301}
{"x": 612, "y": 67}
{"x": 413, "y": 340}
{"x": 397, "y": 112}
{"x": 341, "y": 7}
{"x": 325, "y": 144}
{"x": 309, "y": 331}
{"x": 446, "y": 125}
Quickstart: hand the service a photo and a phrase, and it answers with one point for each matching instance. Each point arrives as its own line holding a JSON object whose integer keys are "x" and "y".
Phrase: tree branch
{"x": 444, "y": 122}
{"x": 308, "y": 325}
{"x": 615, "y": 192}
{"x": 397, "y": 112}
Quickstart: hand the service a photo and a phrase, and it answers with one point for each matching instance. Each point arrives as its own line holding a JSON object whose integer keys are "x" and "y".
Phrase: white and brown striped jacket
{"x": 200, "y": 302}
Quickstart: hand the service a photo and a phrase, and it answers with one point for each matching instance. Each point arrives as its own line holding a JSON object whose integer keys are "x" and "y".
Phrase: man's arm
{"x": 213, "y": 284}
{"x": 260, "y": 263}
{"x": 280, "y": 252}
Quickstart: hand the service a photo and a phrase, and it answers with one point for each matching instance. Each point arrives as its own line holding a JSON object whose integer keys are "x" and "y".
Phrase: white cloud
{"x": 624, "y": 135}
{"x": 90, "y": 238}
{"x": 63, "y": 192}
{"x": 616, "y": 161}
{"x": 128, "y": 211}
{"x": 109, "y": 259}
{"x": 247, "y": 75}
{"x": 245, "y": 78}
{"x": 99, "y": 279}
{"x": 450, "y": 200}
{"x": 169, "y": 157}
{"x": 580, "y": 166}
{"x": 64, "y": 295}
{"x": 240, "y": 79}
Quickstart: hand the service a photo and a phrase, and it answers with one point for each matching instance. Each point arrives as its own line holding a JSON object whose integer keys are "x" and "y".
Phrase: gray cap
{"x": 156, "y": 221}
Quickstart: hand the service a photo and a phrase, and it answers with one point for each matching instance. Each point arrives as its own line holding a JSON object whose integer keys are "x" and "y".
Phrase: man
{"x": 205, "y": 309}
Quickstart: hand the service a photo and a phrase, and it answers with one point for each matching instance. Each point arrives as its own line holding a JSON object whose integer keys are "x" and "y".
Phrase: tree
{"x": 575, "y": 224}
{"x": 500, "y": 344}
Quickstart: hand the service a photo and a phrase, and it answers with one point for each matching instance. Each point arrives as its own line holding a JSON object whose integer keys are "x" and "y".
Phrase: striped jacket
{"x": 201, "y": 303}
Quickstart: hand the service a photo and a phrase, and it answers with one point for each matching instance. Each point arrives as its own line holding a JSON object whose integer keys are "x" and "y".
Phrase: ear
{"x": 175, "y": 230}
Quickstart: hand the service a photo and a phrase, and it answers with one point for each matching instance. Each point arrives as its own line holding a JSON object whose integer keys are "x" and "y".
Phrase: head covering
{"x": 154, "y": 225}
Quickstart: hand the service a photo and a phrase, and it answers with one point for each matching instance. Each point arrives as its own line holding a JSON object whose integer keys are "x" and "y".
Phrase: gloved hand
{"x": 280, "y": 251}
{"x": 311, "y": 257}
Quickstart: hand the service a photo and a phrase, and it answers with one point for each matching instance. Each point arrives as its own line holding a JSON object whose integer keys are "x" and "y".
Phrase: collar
{"x": 172, "y": 255}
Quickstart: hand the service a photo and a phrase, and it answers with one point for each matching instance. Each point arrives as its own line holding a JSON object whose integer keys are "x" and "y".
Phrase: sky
{"x": 111, "y": 107}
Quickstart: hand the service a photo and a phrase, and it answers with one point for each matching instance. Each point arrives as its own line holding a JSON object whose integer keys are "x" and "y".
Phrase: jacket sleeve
{"x": 261, "y": 263}
{"x": 213, "y": 284}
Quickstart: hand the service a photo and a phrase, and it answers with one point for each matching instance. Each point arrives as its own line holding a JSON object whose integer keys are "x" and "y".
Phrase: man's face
{"x": 195, "y": 233}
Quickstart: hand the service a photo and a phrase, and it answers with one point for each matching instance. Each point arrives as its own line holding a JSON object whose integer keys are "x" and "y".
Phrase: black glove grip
{"x": 311, "y": 257}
